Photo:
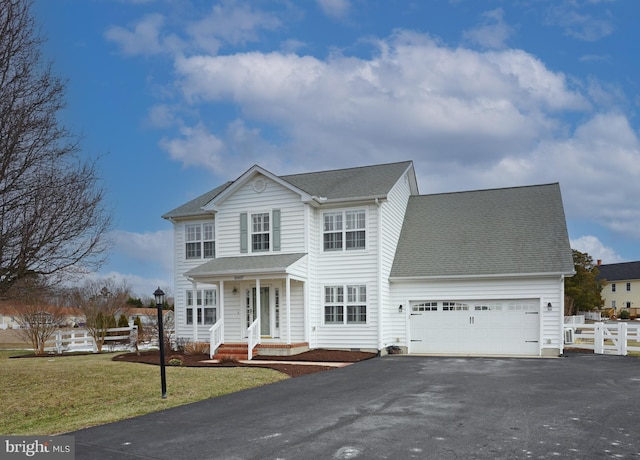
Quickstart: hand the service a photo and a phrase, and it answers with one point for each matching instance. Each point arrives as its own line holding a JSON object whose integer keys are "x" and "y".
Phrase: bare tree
{"x": 38, "y": 320}
{"x": 38, "y": 323}
{"x": 52, "y": 214}
{"x": 99, "y": 301}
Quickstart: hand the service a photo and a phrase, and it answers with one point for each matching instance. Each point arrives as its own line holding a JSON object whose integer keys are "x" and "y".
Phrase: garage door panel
{"x": 504, "y": 327}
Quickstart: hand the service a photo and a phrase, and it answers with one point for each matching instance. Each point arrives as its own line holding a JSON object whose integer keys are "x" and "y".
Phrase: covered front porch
{"x": 261, "y": 303}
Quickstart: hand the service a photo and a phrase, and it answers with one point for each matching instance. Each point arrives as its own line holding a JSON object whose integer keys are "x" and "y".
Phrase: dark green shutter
{"x": 243, "y": 233}
{"x": 276, "y": 229}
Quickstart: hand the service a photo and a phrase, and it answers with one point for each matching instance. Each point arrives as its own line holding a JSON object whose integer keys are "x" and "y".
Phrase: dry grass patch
{"x": 43, "y": 396}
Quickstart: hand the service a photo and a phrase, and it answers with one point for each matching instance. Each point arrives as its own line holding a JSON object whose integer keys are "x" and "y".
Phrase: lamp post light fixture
{"x": 159, "y": 295}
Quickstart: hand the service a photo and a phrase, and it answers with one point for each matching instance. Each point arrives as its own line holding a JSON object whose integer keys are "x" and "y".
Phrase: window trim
{"x": 203, "y": 304}
{"x": 343, "y": 236}
{"x": 343, "y": 302}
{"x": 199, "y": 241}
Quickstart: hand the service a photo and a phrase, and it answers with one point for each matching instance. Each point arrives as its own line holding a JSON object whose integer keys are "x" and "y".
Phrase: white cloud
{"x": 492, "y": 33}
{"x": 593, "y": 246}
{"x": 196, "y": 147}
{"x": 144, "y": 39}
{"x": 234, "y": 23}
{"x": 153, "y": 247}
{"x": 451, "y": 105}
{"x": 579, "y": 24}
{"x": 336, "y": 9}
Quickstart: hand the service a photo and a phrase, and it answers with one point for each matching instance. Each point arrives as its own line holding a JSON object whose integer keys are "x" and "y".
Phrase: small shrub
{"x": 624, "y": 314}
{"x": 229, "y": 360}
{"x": 632, "y": 317}
{"x": 175, "y": 361}
{"x": 182, "y": 343}
{"x": 196, "y": 348}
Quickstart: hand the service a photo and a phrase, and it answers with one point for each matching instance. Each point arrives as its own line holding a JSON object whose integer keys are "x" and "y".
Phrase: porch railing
{"x": 215, "y": 340}
{"x": 253, "y": 337}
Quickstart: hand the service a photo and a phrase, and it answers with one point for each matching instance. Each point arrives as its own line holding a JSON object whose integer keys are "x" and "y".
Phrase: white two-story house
{"x": 357, "y": 259}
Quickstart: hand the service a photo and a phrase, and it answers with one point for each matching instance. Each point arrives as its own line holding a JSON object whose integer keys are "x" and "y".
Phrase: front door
{"x": 265, "y": 310}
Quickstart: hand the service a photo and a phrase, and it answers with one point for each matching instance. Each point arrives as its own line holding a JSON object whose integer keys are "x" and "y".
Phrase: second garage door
{"x": 495, "y": 327}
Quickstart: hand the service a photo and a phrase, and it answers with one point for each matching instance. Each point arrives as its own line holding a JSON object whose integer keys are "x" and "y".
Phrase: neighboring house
{"x": 621, "y": 286}
{"x": 357, "y": 259}
{"x": 69, "y": 317}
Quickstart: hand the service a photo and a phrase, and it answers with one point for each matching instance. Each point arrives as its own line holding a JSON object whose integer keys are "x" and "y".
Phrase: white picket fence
{"x": 604, "y": 338}
{"x": 80, "y": 340}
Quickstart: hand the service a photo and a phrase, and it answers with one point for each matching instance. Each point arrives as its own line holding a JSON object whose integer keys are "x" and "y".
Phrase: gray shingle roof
{"x": 488, "y": 232}
{"x": 225, "y": 266}
{"x": 361, "y": 182}
{"x": 193, "y": 208}
{"x": 619, "y": 272}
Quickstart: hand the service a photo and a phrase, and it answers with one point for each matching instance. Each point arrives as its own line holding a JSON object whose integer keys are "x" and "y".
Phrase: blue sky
{"x": 178, "y": 96}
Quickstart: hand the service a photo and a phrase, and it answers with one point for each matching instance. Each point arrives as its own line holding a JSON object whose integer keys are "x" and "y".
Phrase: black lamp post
{"x": 159, "y": 295}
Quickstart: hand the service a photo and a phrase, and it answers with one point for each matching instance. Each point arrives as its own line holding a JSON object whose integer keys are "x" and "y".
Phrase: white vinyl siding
{"x": 279, "y": 202}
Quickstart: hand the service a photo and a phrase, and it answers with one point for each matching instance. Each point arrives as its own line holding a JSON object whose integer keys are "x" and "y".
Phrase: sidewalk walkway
{"x": 301, "y": 363}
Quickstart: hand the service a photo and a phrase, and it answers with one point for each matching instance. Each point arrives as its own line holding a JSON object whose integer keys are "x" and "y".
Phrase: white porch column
{"x": 194, "y": 309}
{"x": 258, "y": 303}
{"x": 288, "y": 306}
{"x": 221, "y": 304}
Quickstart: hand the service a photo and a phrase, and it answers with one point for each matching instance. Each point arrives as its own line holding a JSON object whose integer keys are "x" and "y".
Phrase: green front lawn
{"x": 53, "y": 395}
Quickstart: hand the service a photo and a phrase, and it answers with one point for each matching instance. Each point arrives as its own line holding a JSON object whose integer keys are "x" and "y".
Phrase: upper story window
{"x": 344, "y": 230}
{"x": 613, "y": 287}
{"x": 260, "y": 232}
{"x": 199, "y": 241}
{"x": 628, "y": 287}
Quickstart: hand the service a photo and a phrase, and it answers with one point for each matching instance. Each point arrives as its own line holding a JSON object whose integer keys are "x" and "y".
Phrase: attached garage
{"x": 481, "y": 327}
{"x": 481, "y": 273}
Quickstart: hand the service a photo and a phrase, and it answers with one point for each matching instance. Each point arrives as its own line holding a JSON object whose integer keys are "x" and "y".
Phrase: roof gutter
{"x": 483, "y": 276}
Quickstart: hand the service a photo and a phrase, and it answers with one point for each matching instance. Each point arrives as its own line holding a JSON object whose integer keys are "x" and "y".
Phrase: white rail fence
{"x": 78, "y": 340}
{"x": 603, "y": 338}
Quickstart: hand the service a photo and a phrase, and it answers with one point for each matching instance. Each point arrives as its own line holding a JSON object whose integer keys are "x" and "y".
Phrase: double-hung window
{"x": 204, "y": 310}
{"x": 354, "y": 303}
{"x": 344, "y": 230}
{"x": 200, "y": 241}
{"x": 260, "y": 232}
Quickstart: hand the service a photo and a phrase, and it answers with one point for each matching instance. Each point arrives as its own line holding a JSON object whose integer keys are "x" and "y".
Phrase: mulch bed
{"x": 292, "y": 370}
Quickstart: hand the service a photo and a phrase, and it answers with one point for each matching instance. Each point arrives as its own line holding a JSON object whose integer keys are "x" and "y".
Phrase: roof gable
{"x": 488, "y": 232}
{"x": 249, "y": 175}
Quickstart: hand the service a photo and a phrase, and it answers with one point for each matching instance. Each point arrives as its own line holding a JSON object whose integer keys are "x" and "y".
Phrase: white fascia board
{"x": 466, "y": 277}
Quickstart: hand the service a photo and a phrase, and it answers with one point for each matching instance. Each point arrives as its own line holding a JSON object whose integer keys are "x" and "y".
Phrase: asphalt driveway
{"x": 401, "y": 407}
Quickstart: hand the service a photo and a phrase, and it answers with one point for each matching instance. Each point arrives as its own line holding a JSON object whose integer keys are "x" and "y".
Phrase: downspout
{"x": 379, "y": 271}
{"x": 306, "y": 290}
{"x": 288, "y": 304}
{"x": 561, "y": 342}
{"x": 221, "y": 303}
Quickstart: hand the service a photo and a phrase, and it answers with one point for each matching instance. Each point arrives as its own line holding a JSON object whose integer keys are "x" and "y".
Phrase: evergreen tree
{"x": 584, "y": 289}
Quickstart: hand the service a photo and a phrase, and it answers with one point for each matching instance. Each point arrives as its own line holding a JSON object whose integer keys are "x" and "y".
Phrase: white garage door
{"x": 496, "y": 327}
